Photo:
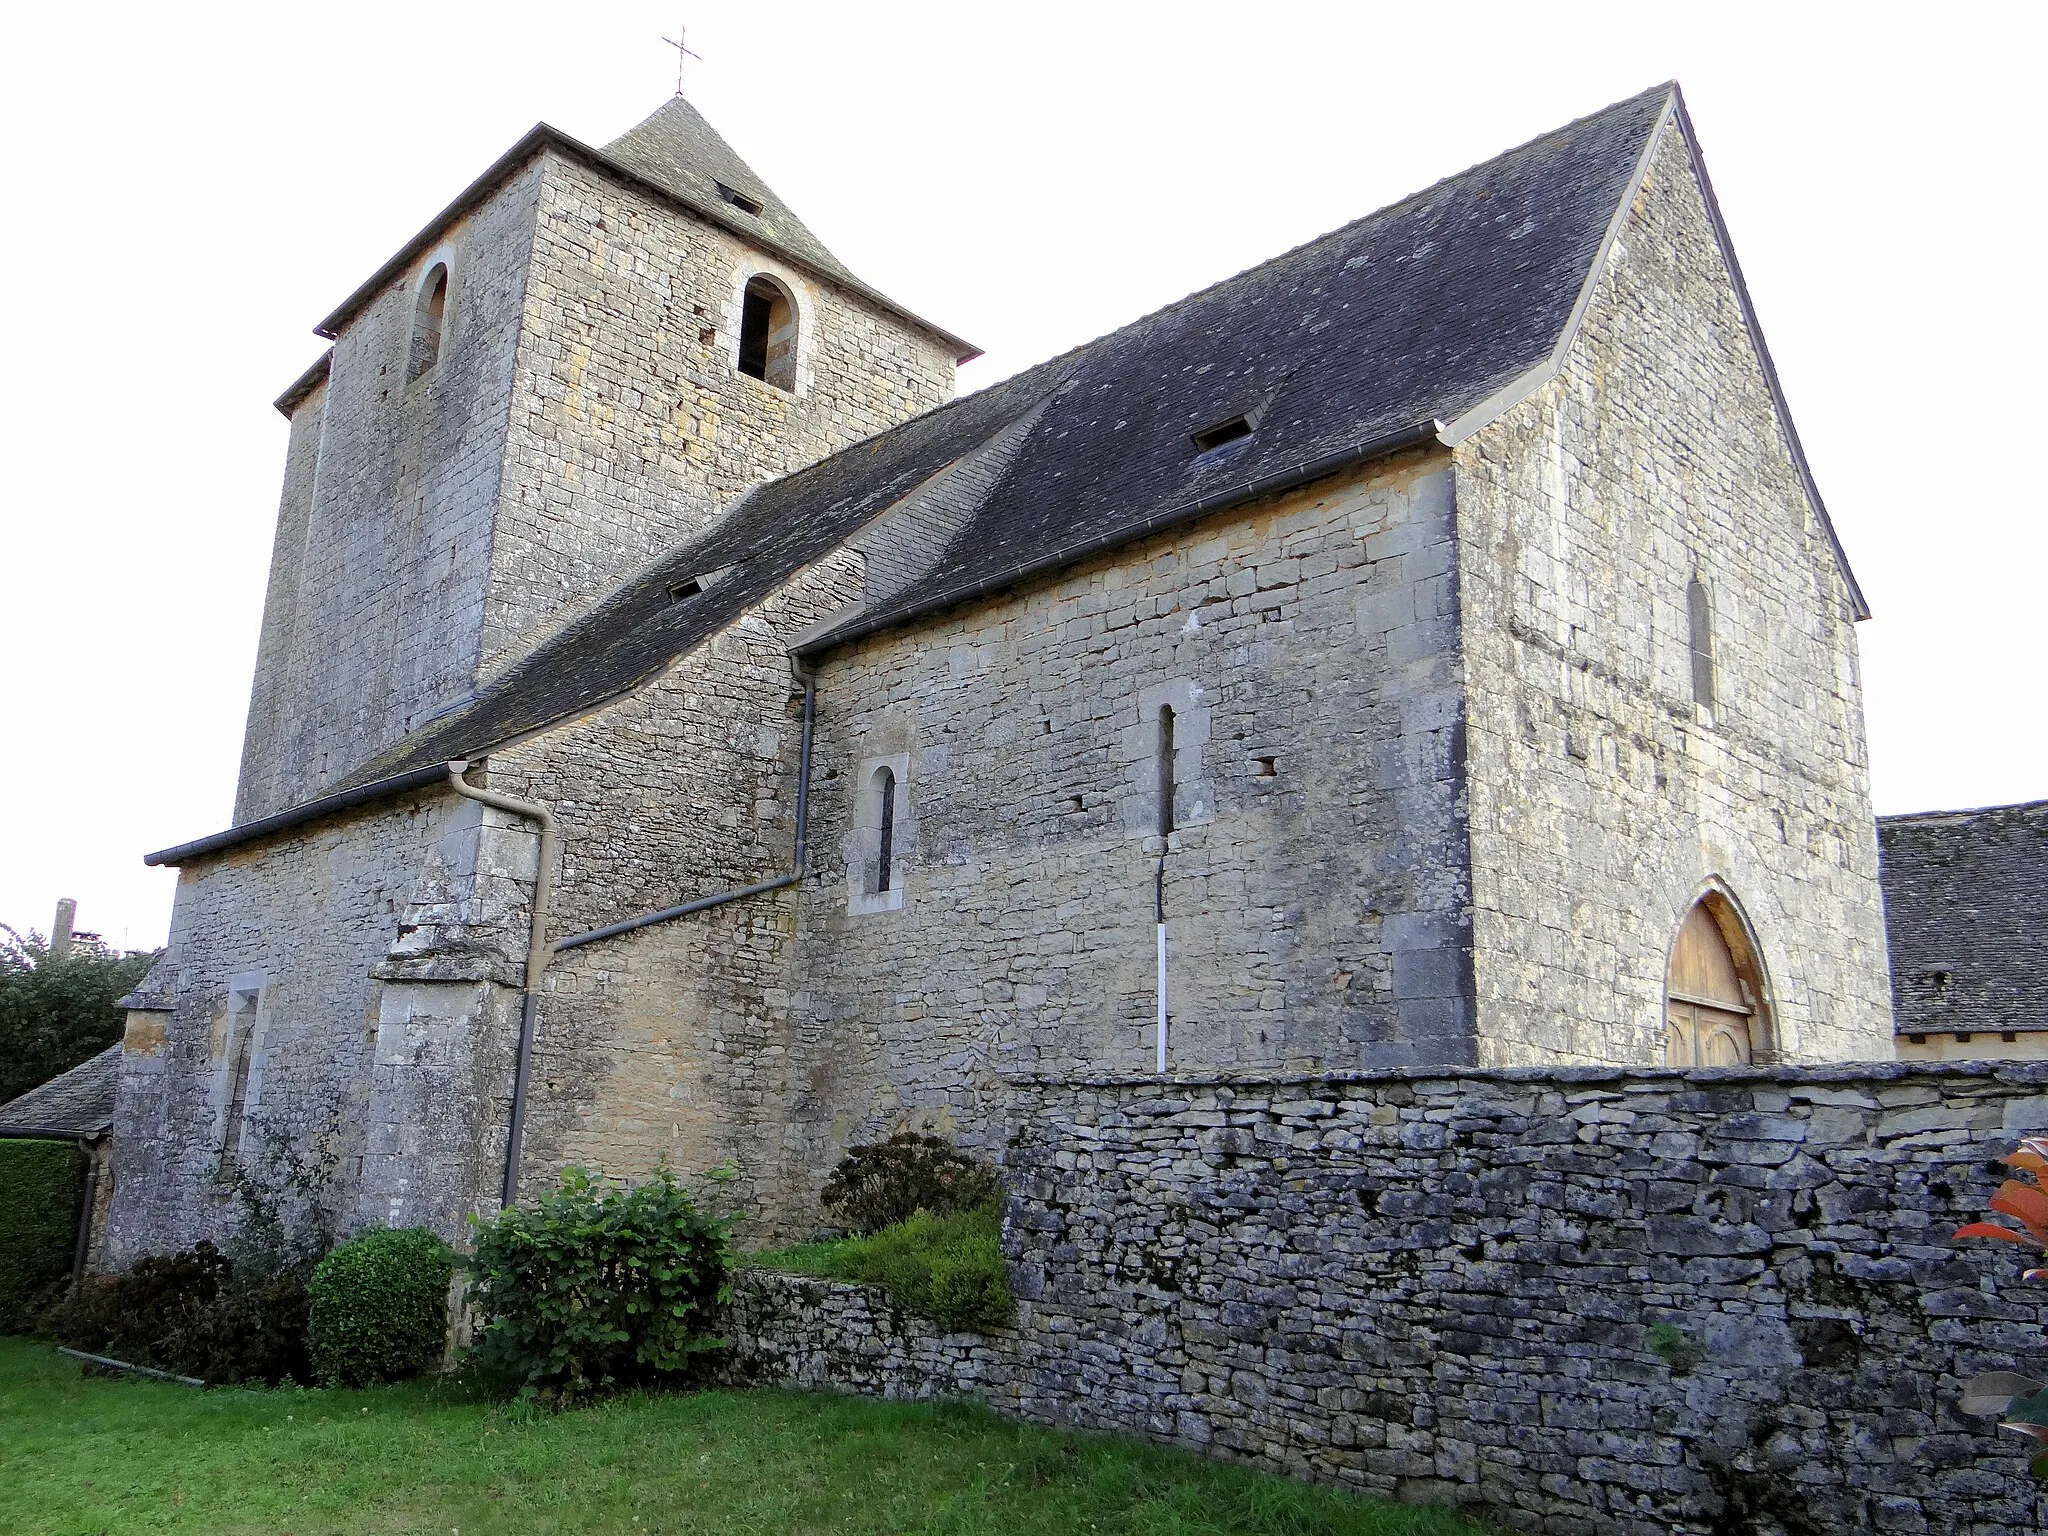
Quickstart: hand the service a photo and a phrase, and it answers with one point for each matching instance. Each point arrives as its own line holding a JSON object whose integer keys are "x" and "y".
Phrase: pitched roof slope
{"x": 678, "y": 151}
{"x": 1416, "y": 313}
{"x": 76, "y": 1103}
{"x": 1966, "y": 917}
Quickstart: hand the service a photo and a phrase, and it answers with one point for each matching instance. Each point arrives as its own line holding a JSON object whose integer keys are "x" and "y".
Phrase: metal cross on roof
{"x": 683, "y": 52}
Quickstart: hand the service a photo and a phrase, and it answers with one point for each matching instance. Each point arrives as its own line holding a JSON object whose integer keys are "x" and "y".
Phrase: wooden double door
{"x": 1711, "y": 995}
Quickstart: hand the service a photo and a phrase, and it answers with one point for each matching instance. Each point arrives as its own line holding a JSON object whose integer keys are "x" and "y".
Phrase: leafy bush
{"x": 189, "y": 1312}
{"x": 2020, "y": 1402}
{"x": 40, "y": 1185}
{"x": 886, "y": 1182}
{"x": 379, "y": 1307}
{"x": 55, "y": 1014}
{"x": 598, "y": 1288}
{"x": 949, "y": 1269}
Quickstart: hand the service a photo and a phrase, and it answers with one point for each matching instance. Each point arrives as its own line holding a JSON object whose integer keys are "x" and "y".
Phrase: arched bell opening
{"x": 1717, "y": 1009}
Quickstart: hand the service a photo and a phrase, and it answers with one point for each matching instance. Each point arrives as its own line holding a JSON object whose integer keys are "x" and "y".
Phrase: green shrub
{"x": 41, "y": 1183}
{"x": 886, "y": 1182}
{"x": 948, "y": 1269}
{"x": 598, "y": 1288}
{"x": 379, "y": 1307}
{"x": 191, "y": 1313}
{"x": 55, "y": 1014}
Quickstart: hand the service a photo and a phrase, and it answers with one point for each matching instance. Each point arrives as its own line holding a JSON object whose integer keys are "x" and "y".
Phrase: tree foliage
{"x": 55, "y": 1013}
{"x": 597, "y": 1287}
{"x": 2020, "y": 1402}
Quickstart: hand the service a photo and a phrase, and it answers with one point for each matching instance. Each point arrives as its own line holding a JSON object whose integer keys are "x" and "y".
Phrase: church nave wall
{"x": 1315, "y": 882}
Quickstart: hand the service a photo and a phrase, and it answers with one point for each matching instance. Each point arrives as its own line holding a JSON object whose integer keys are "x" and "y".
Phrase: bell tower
{"x": 587, "y": 356}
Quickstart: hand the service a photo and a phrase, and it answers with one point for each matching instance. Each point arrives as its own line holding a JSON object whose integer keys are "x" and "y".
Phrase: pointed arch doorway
{"x": 1715, "y": 1013}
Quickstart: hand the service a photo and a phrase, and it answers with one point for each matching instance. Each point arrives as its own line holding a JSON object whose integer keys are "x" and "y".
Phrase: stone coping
{"x": 2027, "y": 1072}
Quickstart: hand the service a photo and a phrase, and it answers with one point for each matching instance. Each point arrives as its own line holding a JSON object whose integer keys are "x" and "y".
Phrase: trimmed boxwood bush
{"x": 598, "y": 1288}
{"x": 41, "y": 1183}
{"x": 379, "y": 1307}
{"x": 886, "y": 1182}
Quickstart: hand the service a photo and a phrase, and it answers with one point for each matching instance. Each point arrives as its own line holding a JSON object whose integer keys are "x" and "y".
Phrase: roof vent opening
{"x": 1228, "y": 431}
{"x": 683, "y": 590}
{"x": 739, "y": 200}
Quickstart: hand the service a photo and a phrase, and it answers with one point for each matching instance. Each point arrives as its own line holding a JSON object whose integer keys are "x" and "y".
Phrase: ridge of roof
{"x": 543, "y": 136}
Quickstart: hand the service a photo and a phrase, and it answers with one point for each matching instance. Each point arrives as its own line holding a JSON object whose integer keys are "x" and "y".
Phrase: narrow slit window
{"x": 242, "y": 1031}
{"x": 1699, "y": 615}
{"x": 428, "y": 313}
{"x": 768, "y": 333}
{"x": 885, "y": 851}
{"x": 1166, "y": 784}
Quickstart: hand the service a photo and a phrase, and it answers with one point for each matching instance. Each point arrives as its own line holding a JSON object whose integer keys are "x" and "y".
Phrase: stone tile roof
{"x": 1966, "y": 917}
{"x": 678, "y": 151}
{"x": 76, "y": 1103}
{"x": 673, "y": 154}
{"x": 1421, "y": 312}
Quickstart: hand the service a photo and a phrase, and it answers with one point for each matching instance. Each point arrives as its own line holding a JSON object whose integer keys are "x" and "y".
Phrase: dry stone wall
{"x": 1603, "y": 795}
{"x": 1631, "y": 1303}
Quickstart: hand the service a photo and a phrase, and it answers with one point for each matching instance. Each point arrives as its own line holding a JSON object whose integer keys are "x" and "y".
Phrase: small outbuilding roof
{"x": 1966, "y": 918}
{"x": 75, "y": 1103}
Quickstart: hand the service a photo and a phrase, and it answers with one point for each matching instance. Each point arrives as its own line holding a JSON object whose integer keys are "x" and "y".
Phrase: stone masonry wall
{"x": 1315, "y": 887}
{"x": 671, "y": 1043}
{"x": 1444, "y": 1287}
{"x": 1603, "y": 797}
{"x": 631, "y": 424}
{"x": 384, "y": 572}
{"x": 384, "y": 950}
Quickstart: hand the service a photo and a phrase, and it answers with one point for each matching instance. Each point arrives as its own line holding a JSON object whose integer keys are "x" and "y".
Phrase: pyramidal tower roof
{"x": 678, "y": 151}
{"x": 675, "y": 154}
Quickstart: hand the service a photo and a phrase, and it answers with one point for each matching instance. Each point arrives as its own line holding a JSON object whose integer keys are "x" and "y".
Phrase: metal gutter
{"x": 1295, "y": 475}
{"x": 297, "y": 816}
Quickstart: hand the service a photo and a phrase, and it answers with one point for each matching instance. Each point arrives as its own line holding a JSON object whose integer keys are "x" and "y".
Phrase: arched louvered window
{"x": 768, "y": 326}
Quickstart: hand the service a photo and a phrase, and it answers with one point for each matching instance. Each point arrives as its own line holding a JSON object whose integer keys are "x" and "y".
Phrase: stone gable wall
{"x": 1444, "y": 1287}
{"x": 1315, "y": 912}
{"x": 1603, "y": 798}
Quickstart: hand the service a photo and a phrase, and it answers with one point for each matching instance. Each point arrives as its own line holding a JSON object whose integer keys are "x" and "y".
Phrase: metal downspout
{"x": 538, "y": 953}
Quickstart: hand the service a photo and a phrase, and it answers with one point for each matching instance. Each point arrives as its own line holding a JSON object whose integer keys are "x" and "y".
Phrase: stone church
{"x": 683, "y": 733}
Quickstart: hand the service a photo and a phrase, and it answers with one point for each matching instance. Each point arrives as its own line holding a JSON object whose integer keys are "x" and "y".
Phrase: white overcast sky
{"x": 191, "y": 187}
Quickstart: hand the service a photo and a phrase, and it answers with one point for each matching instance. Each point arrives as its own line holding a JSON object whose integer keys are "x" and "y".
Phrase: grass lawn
{"x": 80, "y": 1456}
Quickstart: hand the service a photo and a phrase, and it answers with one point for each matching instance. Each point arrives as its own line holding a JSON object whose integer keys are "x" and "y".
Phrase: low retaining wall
{"x": 1451, "y": 1287}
